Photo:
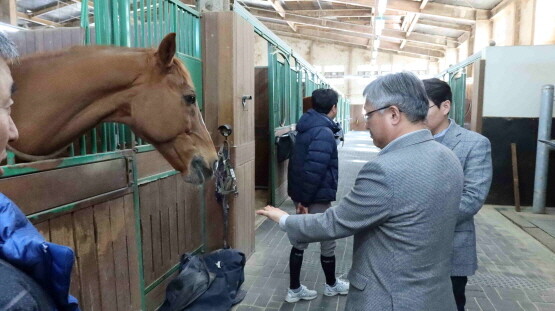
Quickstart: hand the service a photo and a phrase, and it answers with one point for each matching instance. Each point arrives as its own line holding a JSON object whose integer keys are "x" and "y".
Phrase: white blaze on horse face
{"x": 8, "y": 131}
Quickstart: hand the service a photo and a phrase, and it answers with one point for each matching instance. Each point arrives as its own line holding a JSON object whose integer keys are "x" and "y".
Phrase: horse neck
{"x": 61, "y": 97}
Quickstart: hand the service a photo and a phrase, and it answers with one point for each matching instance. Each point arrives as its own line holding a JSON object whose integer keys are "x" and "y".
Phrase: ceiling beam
{"x": 37, "y": 20}
{"x": 334, "y": 13}
{"x": 503, "y": 4}
{"x": 276, "y": 4}
{"x": 431, "y": 9}
{"x": 312, "y": 34}
{"x": 412, "y": 23}
{"x": 357, "y": 29}
{"x": 445, "y": 25}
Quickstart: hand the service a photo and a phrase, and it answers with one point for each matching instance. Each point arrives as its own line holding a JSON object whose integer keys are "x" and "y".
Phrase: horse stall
{"x": 496, "y": 94}
{"x": 111, "y": 197}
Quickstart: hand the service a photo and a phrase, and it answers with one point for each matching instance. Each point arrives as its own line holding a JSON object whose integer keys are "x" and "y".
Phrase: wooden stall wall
{"x": 228, "y": 75}
{"x": 171, "y": 222}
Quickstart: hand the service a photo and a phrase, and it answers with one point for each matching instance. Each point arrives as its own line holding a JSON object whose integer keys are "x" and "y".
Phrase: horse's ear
{"x": 166, "y": 50}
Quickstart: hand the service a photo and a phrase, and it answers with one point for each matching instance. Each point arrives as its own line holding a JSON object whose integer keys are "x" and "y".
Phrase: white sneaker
{"x": 304, "y": 293}
{"x": 341, "y": 287}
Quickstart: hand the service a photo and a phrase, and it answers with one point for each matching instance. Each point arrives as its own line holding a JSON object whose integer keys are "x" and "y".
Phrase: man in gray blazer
{"x": 402, "y": 209}
{"x": 474, "y": 153}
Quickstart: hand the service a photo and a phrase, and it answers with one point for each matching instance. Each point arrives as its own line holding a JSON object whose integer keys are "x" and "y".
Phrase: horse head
{"x": 164, "y": 111}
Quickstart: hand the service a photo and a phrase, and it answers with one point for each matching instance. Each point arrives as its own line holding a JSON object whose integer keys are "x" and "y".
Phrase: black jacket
{"x": 313, "y": 167}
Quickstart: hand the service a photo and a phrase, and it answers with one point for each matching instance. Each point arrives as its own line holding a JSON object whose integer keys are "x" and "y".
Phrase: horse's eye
{"x": 190, "y": 99}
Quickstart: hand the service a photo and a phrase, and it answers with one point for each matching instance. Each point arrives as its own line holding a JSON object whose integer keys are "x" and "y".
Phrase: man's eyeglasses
{"x": 432, "y": 106}
{"x": 368, "y": 114}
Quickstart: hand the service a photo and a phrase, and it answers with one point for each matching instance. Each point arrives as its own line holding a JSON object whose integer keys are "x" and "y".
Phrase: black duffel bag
{"x": 207, "y": 282}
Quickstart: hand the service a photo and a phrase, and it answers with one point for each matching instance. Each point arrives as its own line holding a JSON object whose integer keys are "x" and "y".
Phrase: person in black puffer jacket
{"x": 312, "y": 185}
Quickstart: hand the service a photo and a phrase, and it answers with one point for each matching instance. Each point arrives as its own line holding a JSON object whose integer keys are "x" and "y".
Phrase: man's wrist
{"x": 282, "y": 221}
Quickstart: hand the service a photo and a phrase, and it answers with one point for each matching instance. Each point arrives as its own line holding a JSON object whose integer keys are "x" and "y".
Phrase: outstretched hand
{"x": 272, "y": 212}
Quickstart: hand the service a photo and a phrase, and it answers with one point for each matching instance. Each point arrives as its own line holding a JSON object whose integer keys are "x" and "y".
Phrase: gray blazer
{"x": 474, "y": 153}
{"x": 402, "y": 212}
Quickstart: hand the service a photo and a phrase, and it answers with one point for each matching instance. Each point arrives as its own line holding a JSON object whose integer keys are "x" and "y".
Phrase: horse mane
{"x": 77, "y": 49}
{"x": 31, "y": 59}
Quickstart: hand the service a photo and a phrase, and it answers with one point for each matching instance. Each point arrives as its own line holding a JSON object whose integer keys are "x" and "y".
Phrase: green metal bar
{"x": 148, "y": 179}
{"x": 10, "y": 158}
{"x": 28, "y": 168}
{"x": 124, "y": 22}
{"x": 71, "y": 150}
{"x": 185, "y": 8}
{"x": 198, "y": 31}
{"x": 144, "y": 148}
{"x": 158, "y": 22}
{"x": 138, "y": 234}
{"x": 94, "y": 148}
{"x": 141, "y": 15}
{"x": 149, "y": 22}
{"x": 85, "y": 22}
{"x": 122, "y": 139}
{"x": 104, "y": 130}
{"x": 115, "y": 23}
{"x": 68, "y": 207}
{"x": 83, "y": 145}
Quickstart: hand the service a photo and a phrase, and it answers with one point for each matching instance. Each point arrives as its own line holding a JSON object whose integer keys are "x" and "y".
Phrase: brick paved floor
{"x": 516, "y": 271}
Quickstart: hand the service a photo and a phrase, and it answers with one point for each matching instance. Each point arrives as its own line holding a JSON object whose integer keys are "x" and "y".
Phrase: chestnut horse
{"x": 61, "y": 95}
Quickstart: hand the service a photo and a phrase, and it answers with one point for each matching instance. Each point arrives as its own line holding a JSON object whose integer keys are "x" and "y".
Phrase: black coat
{"x": 313, "y": 167}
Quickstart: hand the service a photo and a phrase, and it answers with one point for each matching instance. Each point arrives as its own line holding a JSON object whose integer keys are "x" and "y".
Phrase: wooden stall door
{"x": 228, "y": 75}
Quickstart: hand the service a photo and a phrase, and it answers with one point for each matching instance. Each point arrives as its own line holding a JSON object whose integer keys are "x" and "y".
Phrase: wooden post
{"x": 228, "y": 45}
{"x": 8, "y": 13}
{"x": 515, "y": 177}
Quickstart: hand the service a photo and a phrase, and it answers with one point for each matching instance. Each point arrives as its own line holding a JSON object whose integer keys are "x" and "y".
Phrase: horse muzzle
{"x": 198, "y": 172}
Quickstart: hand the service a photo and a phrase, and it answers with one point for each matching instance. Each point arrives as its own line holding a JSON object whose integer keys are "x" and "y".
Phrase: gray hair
{"x": 403, "y": 90}
{"x": 7, "y": 47}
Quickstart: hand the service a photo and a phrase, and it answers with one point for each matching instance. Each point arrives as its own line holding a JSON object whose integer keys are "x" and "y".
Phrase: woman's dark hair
{"x": 324, "y": 99}
{"x": 438, "y": 91}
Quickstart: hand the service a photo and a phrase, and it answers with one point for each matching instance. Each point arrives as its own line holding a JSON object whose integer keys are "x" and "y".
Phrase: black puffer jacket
{"x": 313, "y": 167}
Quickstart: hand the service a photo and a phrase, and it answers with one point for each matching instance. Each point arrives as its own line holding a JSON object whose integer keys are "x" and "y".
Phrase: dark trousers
{"x": 459, "y": 283}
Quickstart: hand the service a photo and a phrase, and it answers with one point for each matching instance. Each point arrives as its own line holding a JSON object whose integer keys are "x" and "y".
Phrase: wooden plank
{"x": 86, "y": 255}
{"x": 44, "y": 229}
{"x": 515, "y": 177}
{"x": 147, "y": 205}
{"x": 156, "y": 296}
{"x": 62, "y": 186}
{"x": 172, "y": 209}
{"x": 61, "y": 232}
{"x": 151, "y": 163}
{"x": 121, "y": 269}
{"x": 164, "y": 225}
{"x": 105, "y": 255}
{"x": 183, "y": 222}
{"x": 195, "y": 215}
{"x": 132, "y": 253}
{"x": 243, "y": 153}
